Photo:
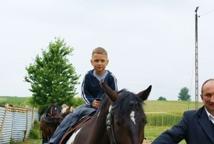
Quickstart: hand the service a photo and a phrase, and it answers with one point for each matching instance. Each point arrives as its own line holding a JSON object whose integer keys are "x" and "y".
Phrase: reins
{"x": 109, "y": 127}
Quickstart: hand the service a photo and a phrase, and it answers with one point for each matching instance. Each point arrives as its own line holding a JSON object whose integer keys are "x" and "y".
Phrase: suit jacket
{"x": 195, "y": 127}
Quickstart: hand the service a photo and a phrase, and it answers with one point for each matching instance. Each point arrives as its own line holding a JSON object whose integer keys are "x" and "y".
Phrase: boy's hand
{"x": 96, "y": 103}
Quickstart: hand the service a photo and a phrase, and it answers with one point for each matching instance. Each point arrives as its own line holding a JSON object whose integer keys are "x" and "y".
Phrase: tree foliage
{"x": 162, "y": 98}
{"x": 52, "y": 77}
{"x": 184, "y": 94}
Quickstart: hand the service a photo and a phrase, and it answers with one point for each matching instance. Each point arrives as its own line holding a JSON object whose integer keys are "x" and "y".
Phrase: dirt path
{"x": 147, "y": 142}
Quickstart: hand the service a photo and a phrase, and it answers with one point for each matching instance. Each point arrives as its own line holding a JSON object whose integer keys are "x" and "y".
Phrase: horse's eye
{"x": 134, "y": 105}
{"x": 131, "y": 104}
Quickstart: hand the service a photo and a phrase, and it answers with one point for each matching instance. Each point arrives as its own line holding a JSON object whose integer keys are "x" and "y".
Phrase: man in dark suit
{"x": 196, "y": 127}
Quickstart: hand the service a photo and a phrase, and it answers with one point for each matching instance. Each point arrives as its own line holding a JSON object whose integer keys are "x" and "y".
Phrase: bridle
{"x": 110, "y": 127}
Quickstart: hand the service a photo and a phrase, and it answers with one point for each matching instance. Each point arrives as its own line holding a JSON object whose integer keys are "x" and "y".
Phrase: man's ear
{"x": 201, "y": 96}
{"x": 91, "y": 62}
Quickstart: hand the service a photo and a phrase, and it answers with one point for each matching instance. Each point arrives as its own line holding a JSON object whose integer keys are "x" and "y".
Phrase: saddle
{"x": 74, "y": 128}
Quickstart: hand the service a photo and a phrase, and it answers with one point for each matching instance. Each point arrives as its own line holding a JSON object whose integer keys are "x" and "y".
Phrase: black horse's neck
{"x": 100, "y": 133}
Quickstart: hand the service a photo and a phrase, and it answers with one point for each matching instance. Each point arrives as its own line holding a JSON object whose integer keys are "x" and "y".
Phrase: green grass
{"x": 162, "y": 119}
{"x": 169, "y": 106}
{"x": 151, "y": 132}
{"x": 30, "y": 141}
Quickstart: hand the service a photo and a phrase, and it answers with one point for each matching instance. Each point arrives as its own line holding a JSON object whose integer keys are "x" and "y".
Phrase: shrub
{"x": 35, "y": 131}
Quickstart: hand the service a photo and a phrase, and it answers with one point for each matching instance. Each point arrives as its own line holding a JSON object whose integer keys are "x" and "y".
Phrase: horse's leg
{"x": 45, "y": 135}
{"x": 42, "y": 127}
{"x": 45, "y": 130}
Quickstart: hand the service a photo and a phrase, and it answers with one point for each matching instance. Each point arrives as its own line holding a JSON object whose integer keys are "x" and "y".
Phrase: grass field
{"x": 167, "y": 113}
{"x": 169, "y": 106}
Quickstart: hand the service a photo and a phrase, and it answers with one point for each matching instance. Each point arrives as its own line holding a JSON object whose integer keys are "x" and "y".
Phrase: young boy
{"x": 91, "y": 92}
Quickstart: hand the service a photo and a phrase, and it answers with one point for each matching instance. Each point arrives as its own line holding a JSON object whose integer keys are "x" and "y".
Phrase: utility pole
{"x": 196, "y": 58}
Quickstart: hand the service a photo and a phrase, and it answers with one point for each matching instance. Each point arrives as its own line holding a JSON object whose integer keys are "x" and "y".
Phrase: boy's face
{"x": 99, "y": 62}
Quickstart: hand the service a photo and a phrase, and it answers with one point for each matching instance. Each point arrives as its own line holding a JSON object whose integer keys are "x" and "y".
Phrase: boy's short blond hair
{"x": 99, "y": 50}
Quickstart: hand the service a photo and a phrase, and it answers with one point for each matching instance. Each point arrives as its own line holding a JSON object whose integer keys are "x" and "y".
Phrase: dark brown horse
{"x": 49, "y": 121}
{"x": 120, "y": 120}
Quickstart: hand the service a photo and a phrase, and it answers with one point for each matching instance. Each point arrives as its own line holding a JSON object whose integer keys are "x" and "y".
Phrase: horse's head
{"x": 53, "y": 110}
{"x": 126, "y": 118}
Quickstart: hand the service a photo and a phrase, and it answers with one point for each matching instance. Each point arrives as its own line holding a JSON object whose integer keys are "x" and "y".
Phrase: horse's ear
{"x": 145, "y": 93}
{"x": 111, "y": 93}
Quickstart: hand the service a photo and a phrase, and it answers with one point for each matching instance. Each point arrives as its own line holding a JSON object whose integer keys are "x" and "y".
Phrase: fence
{"x": 16, "y": 123}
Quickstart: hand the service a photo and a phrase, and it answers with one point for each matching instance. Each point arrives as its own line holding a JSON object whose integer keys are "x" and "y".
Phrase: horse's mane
{"x": 106, "y": 101}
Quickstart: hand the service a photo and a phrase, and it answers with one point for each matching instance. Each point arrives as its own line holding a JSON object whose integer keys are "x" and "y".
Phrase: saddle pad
{"x": 74, "y": 128}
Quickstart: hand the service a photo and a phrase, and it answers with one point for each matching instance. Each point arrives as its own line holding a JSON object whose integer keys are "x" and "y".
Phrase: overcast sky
{"x": 148, "y": 41}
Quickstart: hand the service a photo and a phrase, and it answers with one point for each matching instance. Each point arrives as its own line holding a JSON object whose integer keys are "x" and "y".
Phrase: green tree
{"x": 52, "y": 77}
{"x": 184, "y": 94}
{"x": 162, "y": 98}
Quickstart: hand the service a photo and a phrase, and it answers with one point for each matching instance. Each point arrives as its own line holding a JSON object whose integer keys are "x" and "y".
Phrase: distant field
{"x": 16, "y": 101}
{"x": 169, "y": 106}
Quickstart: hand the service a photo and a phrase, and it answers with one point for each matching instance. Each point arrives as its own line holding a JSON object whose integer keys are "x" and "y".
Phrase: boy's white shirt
{"x": 100, "y": 77}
